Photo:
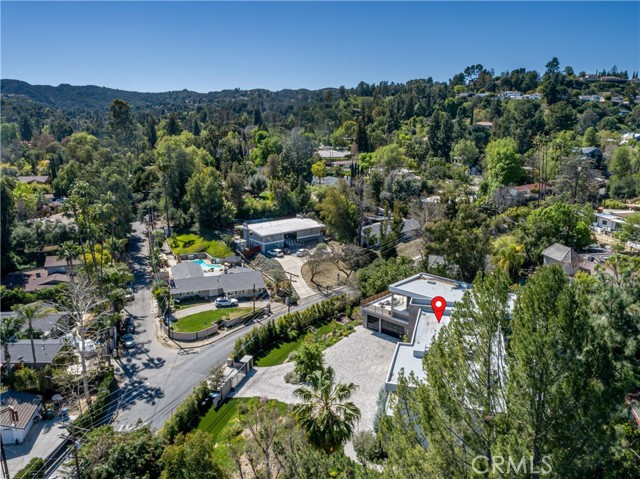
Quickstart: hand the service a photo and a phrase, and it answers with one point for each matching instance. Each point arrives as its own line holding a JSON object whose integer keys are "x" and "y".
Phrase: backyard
{"x": 188, "y": 243}
{"x": 200, "y": 321}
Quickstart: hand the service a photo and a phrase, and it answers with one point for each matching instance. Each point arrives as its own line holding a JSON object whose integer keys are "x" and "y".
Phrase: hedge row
{"x": 100, "y": 406}
{"x": 187, "y": 415}
{"x": 290, "y": 326}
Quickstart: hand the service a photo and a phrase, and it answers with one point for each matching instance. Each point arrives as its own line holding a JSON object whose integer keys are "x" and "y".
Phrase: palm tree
{"x": 326, "y": 418}
{"x": 69, "y": 251}
{"x": 28, "y": 313}
{"x": 9, "y": 329}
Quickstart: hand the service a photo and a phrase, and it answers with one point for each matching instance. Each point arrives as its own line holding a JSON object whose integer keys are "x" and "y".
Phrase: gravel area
{"x": 362, "y": 358}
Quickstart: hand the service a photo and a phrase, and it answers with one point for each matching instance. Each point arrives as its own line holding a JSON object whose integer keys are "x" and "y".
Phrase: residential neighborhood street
{"x": 154, "y": 378}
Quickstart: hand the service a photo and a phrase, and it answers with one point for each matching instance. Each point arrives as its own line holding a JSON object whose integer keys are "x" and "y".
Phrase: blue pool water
{"x": 206, "y": 266}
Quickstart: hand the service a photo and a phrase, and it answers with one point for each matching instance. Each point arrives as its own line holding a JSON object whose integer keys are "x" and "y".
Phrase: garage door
{"x": 392, "y": 329}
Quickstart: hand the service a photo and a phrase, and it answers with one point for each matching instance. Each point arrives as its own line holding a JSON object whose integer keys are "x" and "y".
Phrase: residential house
{"x": 529, "y": 191}
{"x": 590, "y": 78}
{"x": 395, "y": 311}
{"x": 329, "y": 154}
{"x": 563, "y": 256}
{"x": 48, "y": 326}
{"x": 610, "y": 221}
{"x": 484, "y": 124}
{"x": 46, "y": 351}
{"x": 189, "y": 279}
{"x": 293, "y": 232}
{"x": 597, "y": 98}
{"x": 370, "y": 235}
{"x": 19, "y": 409}
{"x": 35, "y": 180}
{"x": 53, "y": 264}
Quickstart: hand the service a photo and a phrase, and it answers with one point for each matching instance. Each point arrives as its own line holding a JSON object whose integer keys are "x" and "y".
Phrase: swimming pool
{"x": 207, "y": 266}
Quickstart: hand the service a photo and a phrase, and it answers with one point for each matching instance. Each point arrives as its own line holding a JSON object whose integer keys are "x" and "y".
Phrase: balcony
{"x": 387, "y": 305}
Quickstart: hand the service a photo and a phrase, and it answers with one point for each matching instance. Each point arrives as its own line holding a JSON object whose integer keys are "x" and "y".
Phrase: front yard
{"x": 200, "y": 321}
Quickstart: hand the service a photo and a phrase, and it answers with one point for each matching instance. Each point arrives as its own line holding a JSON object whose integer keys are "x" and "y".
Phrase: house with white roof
{"x": 292, "y": 233}
{"x": 396, "y": 311}
{"x": 610, "y": 221}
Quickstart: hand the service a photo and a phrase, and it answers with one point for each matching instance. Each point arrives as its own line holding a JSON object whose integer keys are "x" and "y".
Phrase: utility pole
{"x": 72, "y": 431}
{"x": 5, "y": 468}
{"x": 254, "y": 297}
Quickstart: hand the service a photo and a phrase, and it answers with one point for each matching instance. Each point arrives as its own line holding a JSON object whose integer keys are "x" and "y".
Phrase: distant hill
{"x": 91, "y": 97}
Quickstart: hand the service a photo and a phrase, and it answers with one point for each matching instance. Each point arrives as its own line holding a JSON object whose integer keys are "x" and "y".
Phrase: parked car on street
{"x": 302, "y": 252}
{"x": 128, "y": 341}
{"x": 128, "y": 326}
{"x": 286, "y": 250}
{"x": 224, "y": 302}
{"x": 129, "y": 295}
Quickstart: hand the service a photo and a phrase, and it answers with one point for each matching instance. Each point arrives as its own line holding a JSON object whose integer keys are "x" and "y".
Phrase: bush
{"x": 292, "y": 377}
{"x": 187, "y": 415}
{"x": 35, "y": 469}
{"x": 381, "y": 404}
{"x": 367, "y": 446}
{"x": 308, "y": 358}
{"x": 283, "y": 329}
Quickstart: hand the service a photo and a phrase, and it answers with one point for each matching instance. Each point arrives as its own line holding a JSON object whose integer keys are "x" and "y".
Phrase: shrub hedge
{"x": 290, "y": 326}
{"x": 187, "y": 415}
{"x": 99, "y": 408}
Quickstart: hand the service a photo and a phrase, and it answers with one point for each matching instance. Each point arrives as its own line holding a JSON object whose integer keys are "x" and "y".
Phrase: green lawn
{"x": 215, "y": 421}
{"x": 200, "y": 321}
{"x": 192, "y": 243}
{"x": 278, "y": 355}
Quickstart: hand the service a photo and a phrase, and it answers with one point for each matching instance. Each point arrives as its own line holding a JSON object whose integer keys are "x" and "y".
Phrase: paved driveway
{"x": 292, "y": 264}
{"x": 362, "y": 358}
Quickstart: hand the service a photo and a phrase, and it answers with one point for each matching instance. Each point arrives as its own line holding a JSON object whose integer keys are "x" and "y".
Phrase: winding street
{"x": 154, "y": 378}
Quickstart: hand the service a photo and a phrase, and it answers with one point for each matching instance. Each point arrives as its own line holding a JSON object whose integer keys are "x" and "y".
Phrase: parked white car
{"x": 302, "y": 252}
{"x": 276, "y": 253}
{"x": 224, "y": 302}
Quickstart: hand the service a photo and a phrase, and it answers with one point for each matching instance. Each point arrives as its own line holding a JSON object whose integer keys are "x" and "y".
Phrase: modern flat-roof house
{"x": 395, "y": 311}
{"x": 189, "y": 279}
{"x": 293, "y": 232}
{"x": 18, "y": 411}
{"x": 407, "y": 307}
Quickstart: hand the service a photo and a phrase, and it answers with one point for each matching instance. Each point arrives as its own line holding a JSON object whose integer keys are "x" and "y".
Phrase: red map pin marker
{"x": 438, "y": 304}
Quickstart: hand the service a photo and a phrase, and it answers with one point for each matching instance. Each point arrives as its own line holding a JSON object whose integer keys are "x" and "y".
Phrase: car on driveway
{"x": 128, "y": 341}
{"x": 129, "y": 295}
{"x": 224, "y": 302}
{"x": 276, "y": 253}
{"x": 302, "y": 252}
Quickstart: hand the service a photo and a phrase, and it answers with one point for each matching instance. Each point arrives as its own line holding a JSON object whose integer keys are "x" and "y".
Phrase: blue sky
{"x": 208, "y": 46}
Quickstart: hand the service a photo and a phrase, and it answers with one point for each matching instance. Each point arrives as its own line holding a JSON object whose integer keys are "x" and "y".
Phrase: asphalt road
{"x": 155, "y": 378}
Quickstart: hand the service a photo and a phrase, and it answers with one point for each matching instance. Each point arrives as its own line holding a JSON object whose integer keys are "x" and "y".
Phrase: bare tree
{"x": 88, "y": 314}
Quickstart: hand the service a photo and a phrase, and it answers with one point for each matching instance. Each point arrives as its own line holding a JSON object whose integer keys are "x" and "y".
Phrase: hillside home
{"x": 562, "y": 256}
{"x": 292, "y": 233}
{"x": 395, "y": 311}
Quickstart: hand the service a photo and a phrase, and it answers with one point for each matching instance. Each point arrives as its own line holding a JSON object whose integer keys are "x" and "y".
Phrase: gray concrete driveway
{"x": 362, "y": 358}
{"x": 292, "y": 264}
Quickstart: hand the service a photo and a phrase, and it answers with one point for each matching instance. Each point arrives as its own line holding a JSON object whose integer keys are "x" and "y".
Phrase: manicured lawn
{"x": 200, "y": 321}
{"x": 192, "y": 243}
{"x": 331, "y": 332}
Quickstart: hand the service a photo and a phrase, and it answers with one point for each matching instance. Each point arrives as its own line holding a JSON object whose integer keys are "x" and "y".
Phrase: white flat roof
{"x": 407, "y": 357}
{"x": 284, "y": 226}
{"x": 428, "y": 286}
